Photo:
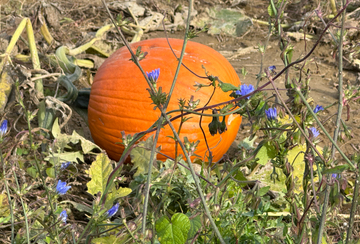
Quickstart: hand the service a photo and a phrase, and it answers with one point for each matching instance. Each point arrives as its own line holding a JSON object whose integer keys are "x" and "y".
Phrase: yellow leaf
{"x": 285, "y": 120}
{"x": 140, "y": 156}
{"x": 99, "y": 173}
{"x": 5, "y": 89}
{"x": 4, "y": 205}
{"x": 296, "y": 158}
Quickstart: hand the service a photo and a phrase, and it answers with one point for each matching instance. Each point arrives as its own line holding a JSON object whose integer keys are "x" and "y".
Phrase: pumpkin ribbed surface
{"x": 119, "y": 100}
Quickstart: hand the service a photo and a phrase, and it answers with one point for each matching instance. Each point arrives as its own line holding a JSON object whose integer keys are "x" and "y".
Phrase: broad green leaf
{"x": 107, "y": 240}
{"x": 62, "y": 140}
{"x": 140, "y": 156}
{"x": 66, "y": 156}
{"x": 225, "y": 87}
{"x": 32, "y": 172}
{"x": 21, "y": 151}
{"x": 263, "y": 190}
{"x": 58, "y": 210}
{"x": 337, "y": 169}
{"x": 195, "y": 225}
{"x": 80, "y": 207}
{"x": 174, "y": 231}
{"x": 99, "y": 173}
{"x": 86, "y": 145}
{"x": 50, "y": 172}
{"x": 54, "y": 160}
{"x": 240, "y": 177}
{"x": 117, "y": 193}
{"x": 266, "y": 153}
{"x": 296, "y": 158}
{"x": 48, "y": 239}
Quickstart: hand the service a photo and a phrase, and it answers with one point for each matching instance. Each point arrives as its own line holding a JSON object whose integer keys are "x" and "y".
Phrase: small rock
{"x": 52, "y": 16}
{"x": 152, "y": 22}
{"x": 136, "y": 9}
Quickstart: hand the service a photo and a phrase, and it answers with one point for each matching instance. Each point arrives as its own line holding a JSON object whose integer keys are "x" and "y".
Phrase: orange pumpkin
{"x": 119, "y": 100}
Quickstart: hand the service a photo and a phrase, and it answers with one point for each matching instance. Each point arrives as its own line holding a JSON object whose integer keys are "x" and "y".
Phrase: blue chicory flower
{"x": 63, "y": 216}
{"x": 62, "y": 188}
{"x": 272, "y": 68}
{"x": 244, "y": 90}
{"x": 154, "y": 75}
{"x": 315, "y": 132}
{"x": 112, "y": 211}
{"x": 318, "y": 108}
{"x": 64, "y": 165}
{"x": 271, "y": 113}
{"x": 3, "y": 128}
{"x": 334, "y": 176}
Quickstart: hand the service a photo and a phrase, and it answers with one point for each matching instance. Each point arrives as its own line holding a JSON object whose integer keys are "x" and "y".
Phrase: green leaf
{"x": 289, "y": 53}
{"x": 240, "y": 177}
{"x": 263, "y": 190}
{"x": 99, "y": 173}
{"x": 86, "y": 145}
{"x": 56, "y": 128}
{"x": 62, "y": 140}
{"x": 276, "y": 179}
{"x": 48, "y": 239}
{"x": 107, "y": 240}
{"x": 296, "y": 158}
{"x": 140, "y": 156}
{"x": 195, "y": 225}
{"x": 32, "y": 172}
{"x": 21, "y": 151}
{"x": 336, "y": 170}
{"x": 271, "y": 12}
{"x": 174, "y": 232}
{"x": 266, "y": 153}
{"x": 225, "y": 87}
{"x": 117, "y": 193}
{"x": 66, "y": 157}
{"x": 80, "y": 207}
{"x": 50, "y": 172}
{"x": 5, "y": 219}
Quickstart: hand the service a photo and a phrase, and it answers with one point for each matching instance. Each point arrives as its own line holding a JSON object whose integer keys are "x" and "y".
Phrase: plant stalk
{"x": 337, "y": 125}
{"x": 9, "y": 200}
{"x": 354, "y": 205}
{"x": 196, "y": 179}
{"x": 24, "y": 209}
{"x": 147, "y": 187}
{"x": 325, "y": 131}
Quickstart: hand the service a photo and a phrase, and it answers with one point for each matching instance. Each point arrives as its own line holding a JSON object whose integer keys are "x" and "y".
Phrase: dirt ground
{"x": 71, "y": 24}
